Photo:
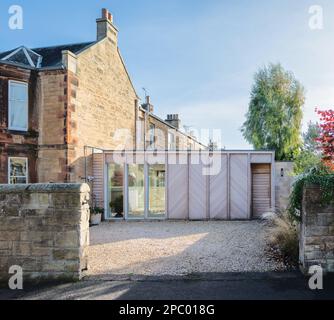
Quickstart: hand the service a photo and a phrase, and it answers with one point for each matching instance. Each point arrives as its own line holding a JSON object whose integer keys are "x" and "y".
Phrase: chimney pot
{"x": 173, "y": 119}
{"x": 105, "y": 13}
{"x": 147, "y": 105}
{"x": 105, "y": 27}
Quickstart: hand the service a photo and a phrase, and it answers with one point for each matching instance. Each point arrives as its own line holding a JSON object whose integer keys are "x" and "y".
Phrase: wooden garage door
{"x": 261, "y": 189}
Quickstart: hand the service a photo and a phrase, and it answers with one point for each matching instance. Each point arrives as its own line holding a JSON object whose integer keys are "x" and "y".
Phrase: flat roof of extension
{"x": 185, "y": 151}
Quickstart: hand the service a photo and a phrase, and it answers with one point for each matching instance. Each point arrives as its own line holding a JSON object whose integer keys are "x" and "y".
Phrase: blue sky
{"x": 197, "y": 58}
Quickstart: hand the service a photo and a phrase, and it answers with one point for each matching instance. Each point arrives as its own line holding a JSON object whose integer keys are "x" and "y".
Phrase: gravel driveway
{"x": 129, "y": 249}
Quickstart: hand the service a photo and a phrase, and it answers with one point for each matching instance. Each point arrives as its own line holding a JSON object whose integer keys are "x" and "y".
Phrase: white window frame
{"x": 10, "y": 82}
{"x": 27, "y": 169}
{"x": 127, "y": 217}
{"x": 171, "y": 142}
{"x": 140, "y": 133}
{"x": 146, "y": 215}
{"x": 152, "y": 135}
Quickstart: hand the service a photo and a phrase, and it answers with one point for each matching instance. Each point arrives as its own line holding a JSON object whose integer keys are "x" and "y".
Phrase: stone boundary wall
{"x": 317, "y": 232}
{"x": 44, "y": 228}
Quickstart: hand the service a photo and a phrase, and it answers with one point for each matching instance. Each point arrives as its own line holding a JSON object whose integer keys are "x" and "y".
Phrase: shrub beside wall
{"x": 44, "y": 228}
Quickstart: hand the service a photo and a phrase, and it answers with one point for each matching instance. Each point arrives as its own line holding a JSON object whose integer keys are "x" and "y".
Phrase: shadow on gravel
{"x": 228, "y": 286}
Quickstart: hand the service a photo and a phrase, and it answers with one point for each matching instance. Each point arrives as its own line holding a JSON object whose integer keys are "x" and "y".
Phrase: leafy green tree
{"x": 310, "y": 142}
{"x": 274, "y": 118}
{"x": 310, "y": 155}
{"x": 306, "y": 161}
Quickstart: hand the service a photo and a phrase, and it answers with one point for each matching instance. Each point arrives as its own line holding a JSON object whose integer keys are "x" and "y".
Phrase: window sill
{"x": 20, "y": 131}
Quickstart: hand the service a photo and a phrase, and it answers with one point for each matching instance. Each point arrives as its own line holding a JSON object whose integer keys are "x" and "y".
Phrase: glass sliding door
{"x": 115, "y": 191}
{"x": 136, "y": 191}
{"x": 157, "y": 191}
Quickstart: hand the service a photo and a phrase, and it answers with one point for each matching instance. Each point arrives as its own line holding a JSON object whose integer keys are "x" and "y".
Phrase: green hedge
{"x": 320, "y": 176}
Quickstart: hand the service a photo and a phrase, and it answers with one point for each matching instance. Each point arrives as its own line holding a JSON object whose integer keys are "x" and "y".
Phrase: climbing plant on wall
{"x": 322, "y": 173}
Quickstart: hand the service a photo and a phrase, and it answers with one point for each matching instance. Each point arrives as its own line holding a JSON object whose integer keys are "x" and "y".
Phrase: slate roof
{"x": 41, "y": 57}
{"x": 52, "y": 55}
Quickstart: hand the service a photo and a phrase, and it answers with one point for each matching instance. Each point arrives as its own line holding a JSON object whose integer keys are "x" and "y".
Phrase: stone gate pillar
{"x": 44, "y": 228}
{"x": 317, "y": 231}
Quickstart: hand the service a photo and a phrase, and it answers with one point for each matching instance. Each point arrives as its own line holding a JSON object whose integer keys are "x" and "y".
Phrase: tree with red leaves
{"x": 326, "y": 138}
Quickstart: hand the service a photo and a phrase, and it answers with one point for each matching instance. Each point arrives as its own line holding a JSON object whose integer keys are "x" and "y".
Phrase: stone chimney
{"x": 147, "y": 105}
{"x": 173, "y": 119}
{"x": 106, "y": 28}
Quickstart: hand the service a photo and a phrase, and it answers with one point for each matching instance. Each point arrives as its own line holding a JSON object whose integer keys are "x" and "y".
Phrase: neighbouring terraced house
{"x": 59, "y": 104}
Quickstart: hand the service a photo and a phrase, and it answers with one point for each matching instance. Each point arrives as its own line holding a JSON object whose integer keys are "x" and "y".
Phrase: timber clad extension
{"x": 80, "y": 98}
{"x": 202, "y": 185}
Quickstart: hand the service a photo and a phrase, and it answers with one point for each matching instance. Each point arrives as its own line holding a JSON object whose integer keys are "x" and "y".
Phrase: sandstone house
{"x": 60, "y": 104}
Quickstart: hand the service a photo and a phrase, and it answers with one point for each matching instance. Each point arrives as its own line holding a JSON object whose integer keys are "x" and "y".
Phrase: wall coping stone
{"x": 45, "y": 188}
